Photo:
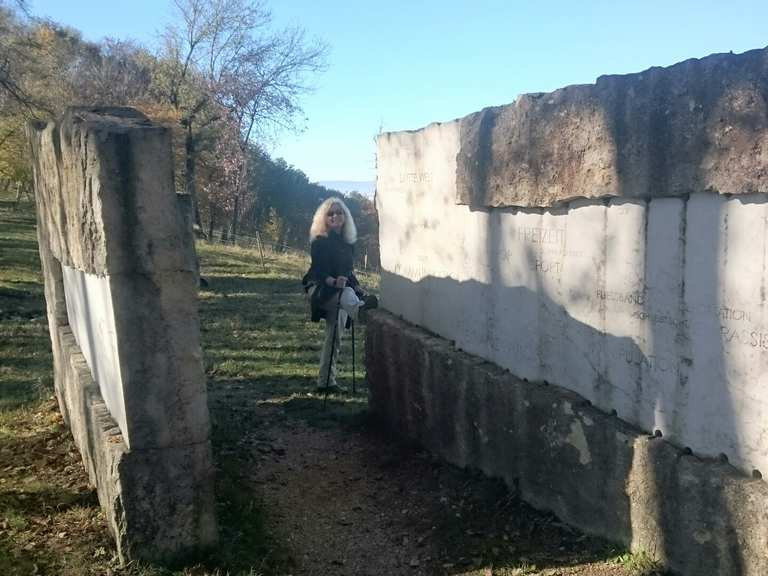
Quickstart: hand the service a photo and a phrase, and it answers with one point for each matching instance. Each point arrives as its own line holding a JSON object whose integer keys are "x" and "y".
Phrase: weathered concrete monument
{"x": 591, "y": 267}
{"x": 119, "y": 264}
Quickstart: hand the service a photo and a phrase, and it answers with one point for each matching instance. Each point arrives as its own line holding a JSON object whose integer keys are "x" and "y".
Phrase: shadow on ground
{"x": 275, "y": 437}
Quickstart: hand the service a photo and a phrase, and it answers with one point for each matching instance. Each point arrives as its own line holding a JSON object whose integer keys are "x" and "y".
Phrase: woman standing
{"x": 336, "y": 293}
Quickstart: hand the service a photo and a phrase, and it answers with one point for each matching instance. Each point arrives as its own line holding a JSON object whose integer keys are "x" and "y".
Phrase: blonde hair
{"x": 319, "y": 226}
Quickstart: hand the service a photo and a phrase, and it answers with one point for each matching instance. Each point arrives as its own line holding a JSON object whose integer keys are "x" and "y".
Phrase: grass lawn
{"x": 256, "y": 337}
{"x": 25, "y": 354}
{"x": 261, "y": 357}
{"x": 255, "y": 323}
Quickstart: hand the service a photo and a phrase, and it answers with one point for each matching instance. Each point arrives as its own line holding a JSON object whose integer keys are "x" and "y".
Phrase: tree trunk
{"x": 240, "y": 190}
{"x": 235, "y": 215}
{"x": 190, "y": 163}
{"x": 211, "y": 222}
{"x": 198, "y": 219}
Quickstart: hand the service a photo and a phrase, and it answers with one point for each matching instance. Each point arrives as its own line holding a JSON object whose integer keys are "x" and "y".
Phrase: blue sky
{"x": 399, "y": 65}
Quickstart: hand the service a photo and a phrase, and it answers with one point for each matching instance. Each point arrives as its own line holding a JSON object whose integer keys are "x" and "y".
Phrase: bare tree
{"x": 226, "y": 64}
{"x": 178, "y": 81}
{"x": 115, "y": 73}
{"x": 16, "y": 57}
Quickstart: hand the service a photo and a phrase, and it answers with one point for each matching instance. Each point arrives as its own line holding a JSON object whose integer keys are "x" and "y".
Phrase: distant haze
{"x": 364, "y": 187}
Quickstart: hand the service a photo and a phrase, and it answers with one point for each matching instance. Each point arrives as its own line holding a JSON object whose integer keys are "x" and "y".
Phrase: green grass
{"x": 639, "y": 564}
{"x": 255, "y": 323}
{"x": 259, "y": 346}
{"x": 25, "y": 355}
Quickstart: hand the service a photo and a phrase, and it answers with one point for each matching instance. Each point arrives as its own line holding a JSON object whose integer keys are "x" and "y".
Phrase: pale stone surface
{"x": 119, "y": 265}
{"x": 113, "y": 178}
{"x": 653, "y": 308}
{"x": 160, "y": 358}
{"x": 699, "y": 517}
{"x": 700, "y": 125}
{"x": 611, "y": 240}
{"x": 92, "y": 318}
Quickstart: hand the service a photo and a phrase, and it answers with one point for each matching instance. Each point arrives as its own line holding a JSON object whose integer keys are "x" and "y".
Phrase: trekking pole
{"x": 333, "y": 348}
{"x": 353, "y": 358}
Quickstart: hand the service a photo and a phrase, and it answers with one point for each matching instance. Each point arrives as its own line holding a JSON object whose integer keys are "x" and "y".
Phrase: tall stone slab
{"x": 609, "y": 239}
{"x": 120, "y": 275}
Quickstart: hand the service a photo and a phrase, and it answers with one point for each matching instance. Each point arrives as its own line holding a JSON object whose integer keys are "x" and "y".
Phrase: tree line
{"x": 221, "y": 77}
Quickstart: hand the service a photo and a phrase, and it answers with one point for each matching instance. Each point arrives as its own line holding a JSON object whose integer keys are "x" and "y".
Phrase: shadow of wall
{"x": 470, "y": 411}
{"x": 646, "y": 296}
{"x": 586, "y": 465}
{"x": 692, "y": 127}
{"x": 669, "y": 370}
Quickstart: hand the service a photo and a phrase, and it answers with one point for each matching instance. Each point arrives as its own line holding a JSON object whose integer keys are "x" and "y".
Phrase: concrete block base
{"x": 156, "y": 505}
{"x": 593, "y": 470}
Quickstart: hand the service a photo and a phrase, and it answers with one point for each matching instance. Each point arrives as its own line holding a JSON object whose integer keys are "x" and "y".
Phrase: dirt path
{"x": 339, "y": 497}
{"x": 300, "y": 490}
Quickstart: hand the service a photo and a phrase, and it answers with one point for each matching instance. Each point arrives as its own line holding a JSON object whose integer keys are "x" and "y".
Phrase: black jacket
{"x": 333, "y": 257}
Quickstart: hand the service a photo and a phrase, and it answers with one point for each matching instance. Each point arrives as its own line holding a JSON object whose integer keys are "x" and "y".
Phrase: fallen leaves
{"x": 50, "y": 521}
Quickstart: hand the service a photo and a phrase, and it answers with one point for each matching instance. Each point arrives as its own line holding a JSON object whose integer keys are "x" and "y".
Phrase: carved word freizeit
{"x": 536, "y": 235}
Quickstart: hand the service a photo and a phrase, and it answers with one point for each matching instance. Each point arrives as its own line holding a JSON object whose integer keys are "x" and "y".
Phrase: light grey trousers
{"x": 348, "y": 306}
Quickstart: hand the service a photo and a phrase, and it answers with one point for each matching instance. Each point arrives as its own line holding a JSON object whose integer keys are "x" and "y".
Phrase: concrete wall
{"x": 609, "y": 239}
{"x": 120, "y": 276}
{"x": 592, "y": 469}
{"x": 652, "y": 308}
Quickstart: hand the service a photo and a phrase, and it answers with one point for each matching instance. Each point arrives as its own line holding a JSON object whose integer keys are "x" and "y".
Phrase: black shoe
{"x": 369, "y": 302}
{"x": 332, "y": 389}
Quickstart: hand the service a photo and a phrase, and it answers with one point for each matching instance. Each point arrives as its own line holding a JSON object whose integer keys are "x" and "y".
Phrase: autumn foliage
{"x": 222, "y": 78}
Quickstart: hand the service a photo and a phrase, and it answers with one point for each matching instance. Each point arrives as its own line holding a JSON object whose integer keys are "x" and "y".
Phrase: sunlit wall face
{"x": 654, "y": 308}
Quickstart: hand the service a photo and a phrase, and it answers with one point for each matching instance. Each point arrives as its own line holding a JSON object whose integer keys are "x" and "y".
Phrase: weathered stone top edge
{"x": 698, "y": 125}
{"x": 712, "y": 58}
{"x": 746, "y": 196}
{"x": 603, "y": 78}
{"x": 415, "y": 131}
{"x": 113, "y": 118}
{"x": 116, "y": 119}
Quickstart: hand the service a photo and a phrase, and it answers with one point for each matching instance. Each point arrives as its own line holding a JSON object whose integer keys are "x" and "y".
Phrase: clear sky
{"x": 401, "y": 64}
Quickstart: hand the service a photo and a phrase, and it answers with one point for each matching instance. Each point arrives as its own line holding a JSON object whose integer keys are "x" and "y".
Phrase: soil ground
{"x": 302, "y": 489}
{"x": 341, "y": 496}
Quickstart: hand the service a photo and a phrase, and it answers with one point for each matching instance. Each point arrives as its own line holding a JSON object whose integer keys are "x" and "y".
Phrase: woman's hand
{"x": 338, "y": 282}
